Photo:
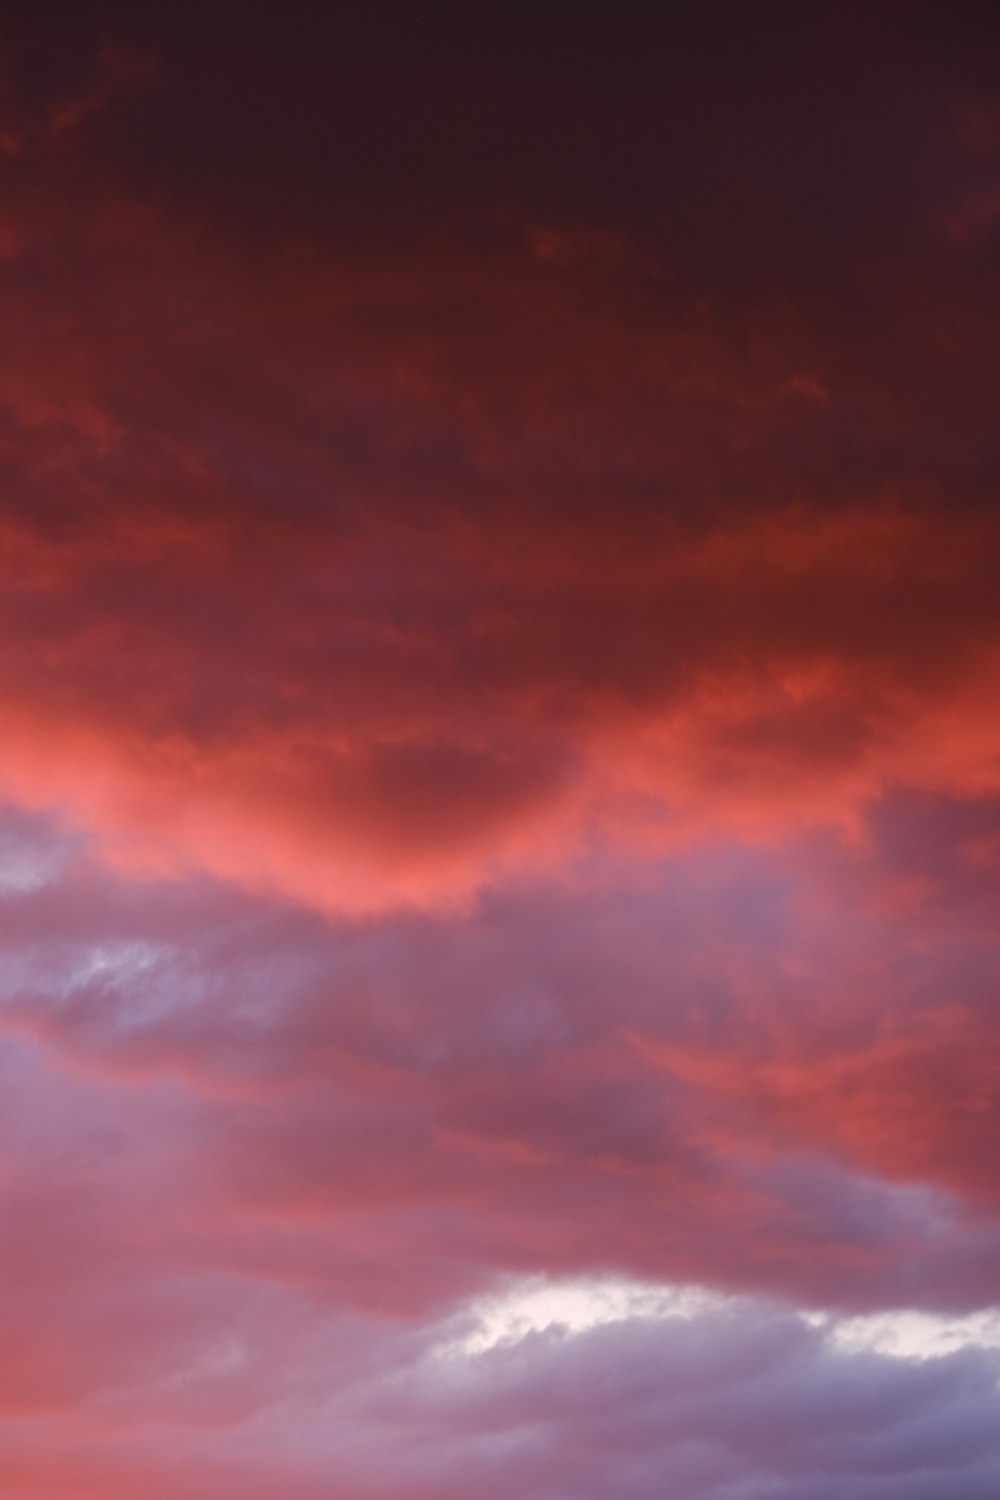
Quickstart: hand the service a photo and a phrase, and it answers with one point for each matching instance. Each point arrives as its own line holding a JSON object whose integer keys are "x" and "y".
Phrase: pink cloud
{"x": 498, "y": 755}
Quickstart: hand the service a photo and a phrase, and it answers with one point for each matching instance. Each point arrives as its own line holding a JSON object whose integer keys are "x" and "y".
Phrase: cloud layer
{"x": 498, "y": 755}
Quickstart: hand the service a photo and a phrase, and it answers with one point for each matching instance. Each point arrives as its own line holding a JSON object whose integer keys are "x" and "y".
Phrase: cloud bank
{"x": 499, "y": 776}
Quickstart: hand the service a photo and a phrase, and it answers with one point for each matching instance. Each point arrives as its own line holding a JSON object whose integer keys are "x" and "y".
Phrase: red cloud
{"x": 314, "y": 590}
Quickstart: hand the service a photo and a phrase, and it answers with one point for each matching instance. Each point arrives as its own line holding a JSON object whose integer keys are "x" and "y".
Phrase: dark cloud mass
{"x": 499, "y": 751}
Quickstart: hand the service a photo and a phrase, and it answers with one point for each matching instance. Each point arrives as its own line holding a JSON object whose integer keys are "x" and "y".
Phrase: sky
{"x": 499, "y": 750}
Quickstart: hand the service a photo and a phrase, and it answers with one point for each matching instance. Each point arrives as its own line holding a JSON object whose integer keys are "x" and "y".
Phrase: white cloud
{"x": 915, "y": 1335}
{"x": 573, "y": 1306}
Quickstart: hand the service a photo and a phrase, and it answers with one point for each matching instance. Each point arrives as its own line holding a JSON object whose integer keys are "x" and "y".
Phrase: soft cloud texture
{"x": 499, "y": 753}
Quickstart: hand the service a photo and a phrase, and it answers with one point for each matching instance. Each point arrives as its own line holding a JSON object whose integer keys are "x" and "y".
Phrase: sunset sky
{"x": 499, "y": 750}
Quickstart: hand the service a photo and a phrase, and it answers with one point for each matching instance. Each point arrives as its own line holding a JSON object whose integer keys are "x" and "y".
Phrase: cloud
{"x": 713, "y": 1401}
{"x": 717, "y": 1045}
{"x": 498, "y": 756}
{"x": 312, "y": 589}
